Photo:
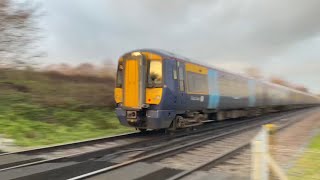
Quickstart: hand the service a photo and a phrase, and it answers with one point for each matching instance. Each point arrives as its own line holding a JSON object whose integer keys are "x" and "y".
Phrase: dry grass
{"x": 38, "y": 108}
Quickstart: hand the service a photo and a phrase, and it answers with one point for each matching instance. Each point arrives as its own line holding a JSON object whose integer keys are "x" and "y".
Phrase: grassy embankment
{"x": 48, "y": 108}
{"x": 308, "y": 166}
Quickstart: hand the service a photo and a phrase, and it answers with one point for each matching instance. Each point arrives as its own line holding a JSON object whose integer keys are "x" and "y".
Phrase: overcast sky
{"x": 281, "y": 37}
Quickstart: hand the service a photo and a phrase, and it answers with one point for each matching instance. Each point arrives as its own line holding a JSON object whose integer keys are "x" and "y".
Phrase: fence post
{"x": 272, "y": 164}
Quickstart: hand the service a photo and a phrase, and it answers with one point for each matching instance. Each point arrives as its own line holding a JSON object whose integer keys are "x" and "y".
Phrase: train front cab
{"x": 139, "y": 91}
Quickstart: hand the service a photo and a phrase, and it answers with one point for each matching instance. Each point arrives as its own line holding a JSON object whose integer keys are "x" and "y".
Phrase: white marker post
{"x": 259, "y": 147}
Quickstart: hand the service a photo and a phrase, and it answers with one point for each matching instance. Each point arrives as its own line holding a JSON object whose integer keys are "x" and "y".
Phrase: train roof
{"x": 170, "y": 55}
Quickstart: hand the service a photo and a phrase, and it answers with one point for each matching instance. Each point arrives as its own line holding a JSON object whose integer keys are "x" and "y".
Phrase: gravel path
{"x": 290, "y": 143}
{"x": 286, "y": 146}
{"x": 197, "y": 156}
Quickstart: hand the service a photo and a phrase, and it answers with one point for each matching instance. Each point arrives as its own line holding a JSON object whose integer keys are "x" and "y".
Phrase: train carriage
{"x": 159, "y": 90}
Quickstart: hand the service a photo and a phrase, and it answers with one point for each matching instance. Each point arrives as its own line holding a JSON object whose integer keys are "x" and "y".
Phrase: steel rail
{"x": 175, "y": 150}
{"x": 71, "y": 144}
{"x": 59, "y": 147}
{"x": 223, "y": 157}
{"x": 118, "y": 148}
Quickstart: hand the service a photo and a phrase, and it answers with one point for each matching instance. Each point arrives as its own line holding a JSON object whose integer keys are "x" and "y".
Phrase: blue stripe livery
{"x": 214, "y": 97}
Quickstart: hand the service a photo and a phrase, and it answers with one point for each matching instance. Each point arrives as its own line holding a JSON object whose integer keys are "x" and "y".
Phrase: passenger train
{"x": 156, "y": 89}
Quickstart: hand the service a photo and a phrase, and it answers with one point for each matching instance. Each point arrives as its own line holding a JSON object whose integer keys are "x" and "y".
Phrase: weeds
{"x": 45, "y": 108}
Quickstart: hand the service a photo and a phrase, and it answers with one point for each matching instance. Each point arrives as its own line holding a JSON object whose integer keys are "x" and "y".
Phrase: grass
{"x": 27, "y": 132}
{"x": 48, "y": 108}
{"x": 308, "y": 166}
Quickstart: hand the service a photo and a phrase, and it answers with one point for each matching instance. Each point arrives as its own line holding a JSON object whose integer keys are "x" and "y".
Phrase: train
{"x": 156, "y": 89}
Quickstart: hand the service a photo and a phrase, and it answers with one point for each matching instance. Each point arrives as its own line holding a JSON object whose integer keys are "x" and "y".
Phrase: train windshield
{"x": 154, "y": 74}
{"x": 119, "y": 75}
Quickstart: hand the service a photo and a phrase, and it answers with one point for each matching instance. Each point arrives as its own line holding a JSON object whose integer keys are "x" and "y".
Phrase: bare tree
{"x": 301, "y": 88}
{"x": 107, "y": 69}
{"x": 280, "y": 81}
{"x": 85, "y": 69}
{"x": 18, "y": 32}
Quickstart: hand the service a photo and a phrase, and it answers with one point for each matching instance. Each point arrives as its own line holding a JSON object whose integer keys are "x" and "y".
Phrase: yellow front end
{"x": 139, "y": 90}
{"x": 139, "y": 80}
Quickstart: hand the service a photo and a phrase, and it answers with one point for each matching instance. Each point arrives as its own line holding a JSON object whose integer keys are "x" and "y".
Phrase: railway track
{"x": 115, "y": 143}
{"x": 211, "y": 163}
{"x": 40, "y": 154}
{"x": 81, "y": 163}
{"x": 86, "y": 156}
{"x": 137, "y": 168}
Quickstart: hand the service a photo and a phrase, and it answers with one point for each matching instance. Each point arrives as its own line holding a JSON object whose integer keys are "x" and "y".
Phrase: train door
{"x": 182, "y": 85}
{"x": 133, "y": 90}
{"x": 260, "y": 95}
{"x": 171, "y": 66}
{"x": 269, "y": 98}
{"x": 252, "y": 99}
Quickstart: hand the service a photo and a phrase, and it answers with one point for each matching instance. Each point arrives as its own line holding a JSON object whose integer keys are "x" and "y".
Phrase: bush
{"x": 40, "y": 109}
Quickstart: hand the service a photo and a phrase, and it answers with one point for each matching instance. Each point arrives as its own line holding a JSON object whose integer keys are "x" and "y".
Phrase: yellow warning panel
{"x": 196, "y": 68}
{"x": 118, "y": 95}
{"x": 151, "y": 56}
{"x": 153, "y": 95}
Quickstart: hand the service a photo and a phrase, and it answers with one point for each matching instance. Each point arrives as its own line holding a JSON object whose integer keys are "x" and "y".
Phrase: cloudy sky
{"x": 281, "y": 37}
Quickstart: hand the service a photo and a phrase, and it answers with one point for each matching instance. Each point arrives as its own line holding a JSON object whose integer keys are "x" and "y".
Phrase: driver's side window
{"x": 155, "y": 73}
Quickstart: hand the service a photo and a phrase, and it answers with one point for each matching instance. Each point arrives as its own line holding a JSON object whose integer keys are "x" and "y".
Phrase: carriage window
{"x": 119, "y": 76}
{"x": 155, "y": 74}
{"x": 197, "y": 83}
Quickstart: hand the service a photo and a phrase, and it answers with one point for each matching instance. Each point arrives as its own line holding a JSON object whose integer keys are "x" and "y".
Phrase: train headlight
{"x": 136, "y": 54}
